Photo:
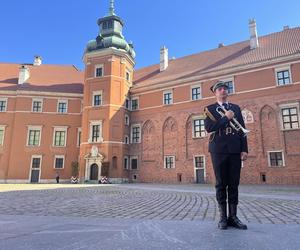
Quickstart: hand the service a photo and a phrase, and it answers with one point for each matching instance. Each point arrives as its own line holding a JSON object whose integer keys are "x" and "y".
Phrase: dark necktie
{"x": 225, "y": 105}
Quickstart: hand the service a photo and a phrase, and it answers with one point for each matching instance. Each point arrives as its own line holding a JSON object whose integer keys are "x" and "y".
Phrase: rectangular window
{"x": 127, "y": 103}
{"x": 168, "y": 98}
{"x": 34, "y": 137}
{"x": 198, "y": 128}
{"x": 230, "y": 85}
{"x": 97, "y": 99}
{"x": 283, "y": 77}
{"x": 126, "y": 140}
{"x": 134, "y": 104}
{"x": 127, "y": 76}
{"x": 134, "y": 163}
{"x": 95, "y": 133}
{"x": 196, "y": 93}
{"x": 37, "y": 105}
{"x": 276, "y": 159}
{"x": 36, "y": 162}
{"x": 125, "y": 162}
{"x": 2, "y": 129}
{"x": 199, "y": 161}
{"x": 98, "y": 70}
{"x": 59, "y": 162}
{"x": 290, "y": 118}
{"x": 62, "y": 107}
{"x": 3, "y": 103}
{"x": 126, "y": 119}
{"x": 169, "y": 161}
{"x": 78, "y": 137}
{"x": 60, "y": 138}
{"x": 135, "y": 134}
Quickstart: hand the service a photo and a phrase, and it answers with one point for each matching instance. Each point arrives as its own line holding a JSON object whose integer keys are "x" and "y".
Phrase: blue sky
{"x": 58, "y": 30}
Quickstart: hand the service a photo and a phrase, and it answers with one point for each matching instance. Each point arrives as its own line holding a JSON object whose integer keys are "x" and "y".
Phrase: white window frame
{"x": 40, "y": 168}
{"x": 129, "y": 72}
{"x": 288, "y": 105}
{"x": 79, "y": 133}
{"x": 174, "y": 161}
{"x": 195, "y": 168}
{"x": 60, "y": 129}
{"x": 33, "y": 127}
{"x": 230, "y": 79}
{"x": 131, "y": 133}
{"x": 269, "y": 158}
{"x": 100, "y": 92}
{"x": 126, "y": 136}
{"x": 193, "y": 128}
{"x": 5, "y": 100}
{"x": 57, "y": 157}
{"x": 2, "y": 127}
{"x": 138, "y": 102}
{"x": 62, "y": 101}
{"x": 286, "y": 68}
{"x": 169, "y": 91}
{"x": 193, "y": 87}
{"x": 128, "y": 121}
{"x": 127, "y": 165}
{"x": 37, "y": 100}
{"x": 137, "y": 161}
{"x": 93, "y": 123}
{"x": 97, "y": 66}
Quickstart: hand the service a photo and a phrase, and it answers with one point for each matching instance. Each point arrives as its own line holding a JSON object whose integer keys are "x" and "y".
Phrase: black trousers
{"x": 227, "y": 168}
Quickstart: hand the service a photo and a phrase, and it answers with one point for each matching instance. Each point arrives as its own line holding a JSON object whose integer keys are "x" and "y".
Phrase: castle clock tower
{"x": 109, "y": 63}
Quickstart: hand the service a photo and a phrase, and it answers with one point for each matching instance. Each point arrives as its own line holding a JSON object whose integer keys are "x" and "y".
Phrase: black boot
{"x": 223, "y": 217}
{"x": 233, "y": 220}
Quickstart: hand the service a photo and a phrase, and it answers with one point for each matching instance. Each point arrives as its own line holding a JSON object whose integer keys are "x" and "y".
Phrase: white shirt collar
{"x": 220, "y": 103}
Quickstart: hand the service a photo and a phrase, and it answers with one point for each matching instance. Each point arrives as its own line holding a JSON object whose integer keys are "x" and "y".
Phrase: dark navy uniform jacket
{"x": 222, "y": 140}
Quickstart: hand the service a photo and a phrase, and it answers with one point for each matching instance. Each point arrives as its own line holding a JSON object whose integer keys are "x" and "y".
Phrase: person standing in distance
{"x": 227, "y": 147}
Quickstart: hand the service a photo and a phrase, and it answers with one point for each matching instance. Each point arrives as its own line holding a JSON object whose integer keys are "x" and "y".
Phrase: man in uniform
{"x": 228, "y": 147}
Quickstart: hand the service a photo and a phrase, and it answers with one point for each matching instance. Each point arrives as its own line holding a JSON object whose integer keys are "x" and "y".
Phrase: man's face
{"x": 221, "y": 92}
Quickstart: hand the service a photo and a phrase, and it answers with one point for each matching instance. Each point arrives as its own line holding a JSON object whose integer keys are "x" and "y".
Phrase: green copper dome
{"x": 110, "y": 35}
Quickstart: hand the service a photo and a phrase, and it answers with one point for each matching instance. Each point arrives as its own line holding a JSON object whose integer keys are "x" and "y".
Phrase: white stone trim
{"x": 93, "y": 123}
{"x": 195, "y": 168}
{"x": 288, "y": 105}
{"x": 2, "y": 127}
{"x": 174, "y": 161}
{"x": 131, "y": 132}
{"x": 6, "y": 103}
{"x": 99, "y": 92}
{"x": 37, "y": 100}
{"x": 283, "y": 68}
{"x": 98, "y": 66}
{"x": 169, "y": 91}
{"x": 34, "y": 127}
{"x": 60, "y": 129}
{"x": 269, "y": 160}
{"x": 62, "y": 101}
{"x": 58, "y": 157}
{"x": 191, "y": 92}
{"x": 137, "y": 161}
{"x": 40, "y": 168}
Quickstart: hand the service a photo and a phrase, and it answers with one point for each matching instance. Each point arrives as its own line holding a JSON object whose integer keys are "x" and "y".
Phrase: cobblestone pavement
{"x": 157, "y": 202}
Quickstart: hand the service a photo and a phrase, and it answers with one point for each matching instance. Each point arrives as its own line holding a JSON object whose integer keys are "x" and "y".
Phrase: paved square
{"x": 141, "y": 216}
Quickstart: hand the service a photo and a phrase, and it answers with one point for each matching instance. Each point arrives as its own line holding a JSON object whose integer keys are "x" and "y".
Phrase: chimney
{"x": 164, "y": 58}
{"x": 286, "y": 27}
{"x": 37, "y": 60}
{"x": 253, "y": 34}
{"x": 24, "y": 74}
{"x": 221, "y": 45}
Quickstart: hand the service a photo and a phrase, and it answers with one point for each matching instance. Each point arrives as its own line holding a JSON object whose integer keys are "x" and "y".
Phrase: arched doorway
{"x": 94, "y": 172}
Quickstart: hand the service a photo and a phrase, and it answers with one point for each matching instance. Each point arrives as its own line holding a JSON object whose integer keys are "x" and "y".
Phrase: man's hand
{"x": 244, "y": 156}
{"x": 229, "y": 114}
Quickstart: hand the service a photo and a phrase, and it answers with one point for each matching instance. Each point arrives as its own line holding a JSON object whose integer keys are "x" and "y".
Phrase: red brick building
{"x": 147, "y": 125}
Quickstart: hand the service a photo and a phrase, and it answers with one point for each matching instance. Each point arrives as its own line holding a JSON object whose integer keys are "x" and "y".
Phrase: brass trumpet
{"x": 233, "y": 122}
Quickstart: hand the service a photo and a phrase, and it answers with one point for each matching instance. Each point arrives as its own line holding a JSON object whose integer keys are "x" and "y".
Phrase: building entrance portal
{"x": 93, "y": 165}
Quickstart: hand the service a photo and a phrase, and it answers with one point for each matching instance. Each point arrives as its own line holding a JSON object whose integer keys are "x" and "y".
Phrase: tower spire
{"x": 112, "y": 8}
